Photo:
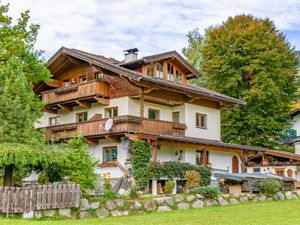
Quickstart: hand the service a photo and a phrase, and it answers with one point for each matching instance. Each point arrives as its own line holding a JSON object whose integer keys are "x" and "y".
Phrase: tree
{"x": 247, "y": 58}
{"x": 20, "y": 68}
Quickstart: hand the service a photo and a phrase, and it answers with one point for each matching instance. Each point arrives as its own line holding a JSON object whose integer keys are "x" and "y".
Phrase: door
{"x": 290, "y": 173}
{"x": 235, "y": 164}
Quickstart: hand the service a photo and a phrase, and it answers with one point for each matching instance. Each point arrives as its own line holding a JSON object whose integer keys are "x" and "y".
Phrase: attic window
{"x": 178, "y": 76}
{"x": 159, "y": 70}
{"x": 170, "y": 72}
{"x": 83, "y": 79}
{"x": 150, "y": 70}
{"x": 67, "y": 83}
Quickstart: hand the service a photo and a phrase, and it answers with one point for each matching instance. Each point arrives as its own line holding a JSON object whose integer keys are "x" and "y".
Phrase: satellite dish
{"x": 108, "y": 125}
{"x": 124, "y": 143}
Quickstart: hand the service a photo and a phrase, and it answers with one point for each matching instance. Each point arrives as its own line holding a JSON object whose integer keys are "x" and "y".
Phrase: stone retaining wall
{"x": 124, "y": 207}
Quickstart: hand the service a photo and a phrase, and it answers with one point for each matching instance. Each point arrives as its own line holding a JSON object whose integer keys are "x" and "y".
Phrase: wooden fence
{"x": 39, "y": 197}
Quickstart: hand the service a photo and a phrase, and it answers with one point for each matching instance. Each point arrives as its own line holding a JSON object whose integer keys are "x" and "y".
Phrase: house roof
{"x": 294, "y": 113}
{"x": 245, "y": 176}
{"x": 162, "y": 56}
{"x": 283, "y": 154}
{"x": 111, "y": 65}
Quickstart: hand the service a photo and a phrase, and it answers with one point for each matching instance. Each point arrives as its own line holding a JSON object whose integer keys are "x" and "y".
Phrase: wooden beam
{"x": 54, "y": 83}
{"x": 91, "y": 141}
{"x": 154, "y": 150}
{"x": 148, "y": 137}
{"x": 142, "y": 104}
{"x": 65, "y": 107}
{"x": 53, "y": 111}
{"x": 112, "y": 138}
{"x": 102, "y": 101}
{"x": 83, "y": 104}
{"x": 132, "y": 137}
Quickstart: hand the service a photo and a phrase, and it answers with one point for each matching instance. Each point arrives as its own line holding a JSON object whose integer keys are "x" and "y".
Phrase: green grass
{"x": 273, "y": 212}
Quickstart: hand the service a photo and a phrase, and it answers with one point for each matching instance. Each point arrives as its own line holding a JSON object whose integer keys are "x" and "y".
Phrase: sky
{"x": 107, "y": 27}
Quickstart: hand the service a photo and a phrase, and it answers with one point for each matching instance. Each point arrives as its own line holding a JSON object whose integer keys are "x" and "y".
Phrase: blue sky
{"x": 107, "y": 27}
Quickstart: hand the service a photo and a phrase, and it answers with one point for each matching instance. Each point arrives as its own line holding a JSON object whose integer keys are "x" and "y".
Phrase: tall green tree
{"x": 249, "y": 59}
{"x": 20, "y": 68}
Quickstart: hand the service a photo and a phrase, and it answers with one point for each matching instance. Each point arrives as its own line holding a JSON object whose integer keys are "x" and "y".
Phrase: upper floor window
{"x": 256, "y": 170}
{"x": 67, "y": 83}
{"x": 54, "y": 120}
{"x": 170, "y": 72}
{"x": 110, "y": 154}
{"x": 111, "y": 112}
{"x": 83, "y": 79}
{"x": 153, "y": 114}
{"x": 178, "y": 76}
{"x": 201, "y": 120}
{"x": 159, "y": 70}
{"x": 82, "y": 116}
{"x": 150, "y": 70}
{"x": 176, "y": 117}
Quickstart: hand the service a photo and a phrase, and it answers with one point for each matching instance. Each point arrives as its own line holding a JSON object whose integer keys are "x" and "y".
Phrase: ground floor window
{"x": 110, "y": 154}
{"x": 54, "y": 120}
{"x": 280, "y": 171}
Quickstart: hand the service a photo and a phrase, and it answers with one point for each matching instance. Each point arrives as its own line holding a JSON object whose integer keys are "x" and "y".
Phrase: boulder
{"x": 136, "y": 205}
{"x": 262, "y": 198}
{"x": 119, "y": 213}
{"x": 236, "y": 195}
{"x": 208, "y": 203}
{"x": 295, "y": 196}
{"x": 233, "y": 201}
{"x": 119, "y": 202}
{"x": 84, "y": 204}
{"x": 159, "y": 200}
{"x": 244, "y": 199}
{"x": 150, "y": 205}
{"x": 110, "y": 205}
{"x": 65, "y": 212}
{"x": 169, "y": 200}
{"x": 297, "y": 192}
{"x": 102, "y": 213}
{"x": 163, "y": 208}
{"x": 222, "y": 201}
{"x": 38, "y": 215}
{"x": 199, "y": 196}
{"x": 83, "y": 214}
{"x": 49, "y": 213}
{"x": 28, "y": 215}
{"x": 280, "y": 195}
{"x": 289, "y": 195}
{"x": 183, "y": 206}
{"x": 255, "y": 199}
{"x": 179, "y": 198}
{"x": 190, "y": 198}
{"x": 94, "y": 205}
{"x": 225, "y": 196}
{"x": 197, "y": 204}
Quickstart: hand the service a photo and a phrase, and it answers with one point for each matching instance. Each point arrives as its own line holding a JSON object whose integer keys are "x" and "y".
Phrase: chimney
{"x": 131, "y": 54}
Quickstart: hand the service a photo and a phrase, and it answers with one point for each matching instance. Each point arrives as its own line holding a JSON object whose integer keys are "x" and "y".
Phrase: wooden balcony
{"x": 122, "y": 124}
{"x": 83, "y": 91}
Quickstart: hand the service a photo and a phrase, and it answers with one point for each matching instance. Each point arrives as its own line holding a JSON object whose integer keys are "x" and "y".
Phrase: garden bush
{"x": 207, "y": 191}
{"x": 133, "y": 192}
{"x": 269, "y": 187}
{"x": 169, "y": 186}
{"x": 108, "y": 191}
{"x": 193, "y": 178}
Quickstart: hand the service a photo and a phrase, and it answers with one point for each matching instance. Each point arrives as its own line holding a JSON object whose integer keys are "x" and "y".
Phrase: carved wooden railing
{"x": 78, "y": 91}
{"x": 122, "y": 124}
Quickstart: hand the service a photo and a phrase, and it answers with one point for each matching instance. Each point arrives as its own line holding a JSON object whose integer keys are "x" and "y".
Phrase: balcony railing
{"x": 121, "y": 124}
{"x": 78, "y": 91}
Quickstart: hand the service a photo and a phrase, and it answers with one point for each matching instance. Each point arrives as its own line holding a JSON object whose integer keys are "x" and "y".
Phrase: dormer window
{"x": 150, "y": 70}
{"x": 178, "y": 76}
{"x": 67, "y": 83}
{"x": 159, "y": 70}
{"x": 170, "y": 72}
{"x": 83, "y": 79}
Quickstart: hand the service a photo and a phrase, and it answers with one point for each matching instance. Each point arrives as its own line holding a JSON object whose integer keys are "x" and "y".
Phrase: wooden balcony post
{"x": 154, "y": 150}
{"x": 142, "y": 103}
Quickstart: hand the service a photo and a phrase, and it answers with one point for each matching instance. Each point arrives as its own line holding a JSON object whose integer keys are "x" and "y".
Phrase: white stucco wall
{"x": 213, "y": 130}
{"x": 222, "y": 160}
{"x": 271, "y": 170}
{"x": 296, "y": 124}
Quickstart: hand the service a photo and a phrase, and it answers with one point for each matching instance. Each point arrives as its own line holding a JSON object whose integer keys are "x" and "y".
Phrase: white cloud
{"x": 109, "y": 26}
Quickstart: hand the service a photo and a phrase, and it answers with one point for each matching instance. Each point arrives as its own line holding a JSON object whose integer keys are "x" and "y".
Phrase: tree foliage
{"x": 247, "y": 58}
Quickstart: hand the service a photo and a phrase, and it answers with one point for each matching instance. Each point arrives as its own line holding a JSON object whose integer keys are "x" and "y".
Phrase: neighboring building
{"x": 112, "y": 102}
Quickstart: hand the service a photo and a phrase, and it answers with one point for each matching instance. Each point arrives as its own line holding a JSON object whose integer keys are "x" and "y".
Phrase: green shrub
{"x": 207, "y": 191}
{"x": 109, "y": 194}
{"x": 269, "y": 187}
{"x": 133, "y": 192}
{"x": 193, "y": 178}
{"x": 169, "y": 186}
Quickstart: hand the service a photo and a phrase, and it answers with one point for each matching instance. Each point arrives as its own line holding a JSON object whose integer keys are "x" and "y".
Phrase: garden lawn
{"x": 273, "y": 212}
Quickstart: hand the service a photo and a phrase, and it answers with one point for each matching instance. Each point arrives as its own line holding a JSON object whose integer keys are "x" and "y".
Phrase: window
{"x": 201, "y": 121}
{"x": 153, "y": 114}
{"x": 54, "y": 121}
{"x": 80, "y": 117}
{"x": 170, "y": 72}
{"x": 150, "y": 70}
{"x": 256, "y": 170}
{"x": 178, "y": 76}
{"x": 159, "y": 70}
{"x": 83, "y": 79}
{"x": 176, "y": 117}
{"x": 111, "y": 112}
{"x": 67, "y": 83}
{"x": 279, "y": 171}
{"x": 202, "y": 157}
{"x": 110, "y": 154}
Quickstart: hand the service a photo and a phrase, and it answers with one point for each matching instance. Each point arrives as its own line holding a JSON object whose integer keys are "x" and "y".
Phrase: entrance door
{"x": 290, "y": 173}
{"x": 235, "y": 164}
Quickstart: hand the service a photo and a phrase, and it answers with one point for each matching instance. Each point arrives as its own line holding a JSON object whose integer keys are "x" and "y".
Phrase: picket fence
{"x": 39, "y": 197}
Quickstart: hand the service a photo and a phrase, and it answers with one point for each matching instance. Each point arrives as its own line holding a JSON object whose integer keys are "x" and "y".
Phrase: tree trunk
{"x": 8, "y": 175}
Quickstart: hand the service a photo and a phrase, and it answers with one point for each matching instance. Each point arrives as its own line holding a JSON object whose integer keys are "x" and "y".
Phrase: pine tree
{"x": 247, "y": 58}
